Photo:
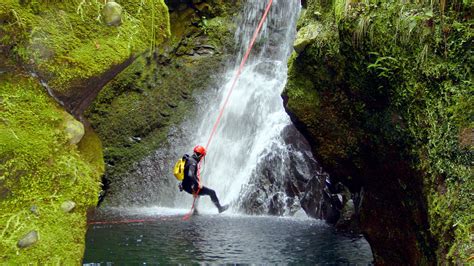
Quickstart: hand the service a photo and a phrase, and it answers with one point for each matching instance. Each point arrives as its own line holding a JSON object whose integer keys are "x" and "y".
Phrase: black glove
{"x": 180, "y": 186}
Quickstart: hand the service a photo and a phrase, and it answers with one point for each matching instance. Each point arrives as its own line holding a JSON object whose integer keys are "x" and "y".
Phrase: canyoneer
{"x": 186, "y": 170}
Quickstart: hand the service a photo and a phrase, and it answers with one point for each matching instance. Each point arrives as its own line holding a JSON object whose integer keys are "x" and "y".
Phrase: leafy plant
{"x": 204, "y": 25}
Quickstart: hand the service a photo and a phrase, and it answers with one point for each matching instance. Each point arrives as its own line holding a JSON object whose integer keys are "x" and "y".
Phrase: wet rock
{"x": 205, "y": 51}
{"x": 135, "y": 139}
{"x": 68, "y": 206}
{"x": 306, "y": 35}
{"x": 29, "y": 239}
{"x": 208, "y": 46}
{"x": 112, "y": 13}
{"x": 164, "y": 114}
{"x": 348, "y": 211}
{"x": 349, "y": 221}
{"x": 277, "y": 204}
{"x": 318, "y": 202}
{"x": 184, "y": 95}
{"x": 269, "y": 191}
{"x": 74, "y": 129}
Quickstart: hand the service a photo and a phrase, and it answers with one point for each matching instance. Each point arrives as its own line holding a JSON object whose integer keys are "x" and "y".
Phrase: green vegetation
{"x": 397, "y": 78}
{"x": 40, "y": 169}
{"x": 67, "y": 43}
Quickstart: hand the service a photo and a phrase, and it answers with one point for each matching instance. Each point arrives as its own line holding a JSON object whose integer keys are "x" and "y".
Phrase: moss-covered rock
{"x": 72, "y": 49}
{"x": 378, "y": 93}
{"x": 48, "y": 157}
{"x": 112, "y": 13}
{"x": 40, "y": 170}
{"x": 74, "y": 129}
{"x": 306, "y": 35}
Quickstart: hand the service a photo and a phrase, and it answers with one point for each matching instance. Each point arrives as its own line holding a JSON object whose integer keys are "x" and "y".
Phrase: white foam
{"x": 254, "y": 117}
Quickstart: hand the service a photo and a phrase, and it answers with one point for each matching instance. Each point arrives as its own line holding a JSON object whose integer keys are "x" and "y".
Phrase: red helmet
{"x": 200, "y": 149}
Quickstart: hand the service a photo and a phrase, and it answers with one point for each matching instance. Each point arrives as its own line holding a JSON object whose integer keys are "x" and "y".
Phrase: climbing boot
{"x": 223, "y": 208}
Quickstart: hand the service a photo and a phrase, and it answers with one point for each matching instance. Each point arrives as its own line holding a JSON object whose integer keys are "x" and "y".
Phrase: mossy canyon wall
{"x": 51, "y": 163}
{"x": 383, "y": 91}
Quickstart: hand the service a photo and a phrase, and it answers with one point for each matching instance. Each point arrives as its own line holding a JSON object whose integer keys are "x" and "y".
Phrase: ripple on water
{"x": 220, "y": 239}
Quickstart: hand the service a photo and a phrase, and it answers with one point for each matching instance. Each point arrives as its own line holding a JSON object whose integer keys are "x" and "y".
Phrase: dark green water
{"x": 212, "y": 238}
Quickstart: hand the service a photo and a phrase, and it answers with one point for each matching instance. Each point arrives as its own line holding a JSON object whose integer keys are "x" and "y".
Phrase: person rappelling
{"x": 187, "y": 170}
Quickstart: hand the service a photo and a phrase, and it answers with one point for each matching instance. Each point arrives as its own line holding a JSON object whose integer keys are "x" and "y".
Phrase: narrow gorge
{"x": 347, "y": 139}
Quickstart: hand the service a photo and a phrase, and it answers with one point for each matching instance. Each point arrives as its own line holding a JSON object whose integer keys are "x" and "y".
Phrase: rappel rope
{"x": 221, "y": 112}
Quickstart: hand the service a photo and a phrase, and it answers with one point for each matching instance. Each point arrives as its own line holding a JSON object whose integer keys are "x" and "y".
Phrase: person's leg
{"x": 215, "y": 200}
{"x": 211, "y": 193}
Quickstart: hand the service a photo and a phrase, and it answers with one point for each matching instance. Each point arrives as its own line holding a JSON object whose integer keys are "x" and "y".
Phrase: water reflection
{"x": 223, "y": 239}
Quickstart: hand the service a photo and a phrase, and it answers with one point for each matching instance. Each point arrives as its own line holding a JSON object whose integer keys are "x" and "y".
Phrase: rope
{"x": 239, "y": 71}
{"x": 196, "y": 194}
{"x": 122, "y": 221}
{"x": 221, "y": 112}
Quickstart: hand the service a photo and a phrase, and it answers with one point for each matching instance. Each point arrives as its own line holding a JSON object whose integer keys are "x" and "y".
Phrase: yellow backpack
{"x": 178, "y": 170}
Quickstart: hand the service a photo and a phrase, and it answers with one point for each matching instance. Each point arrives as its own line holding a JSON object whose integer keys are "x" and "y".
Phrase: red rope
{"x": 239, "y": 71}
{"x": 195, "y": 195}
{"x": 221, "y": 112}
{"x": 123, "y": 221}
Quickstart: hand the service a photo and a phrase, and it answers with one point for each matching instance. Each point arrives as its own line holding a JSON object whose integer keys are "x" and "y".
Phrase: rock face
{"x": 283, "y": 185}
{"x": 381, "y": 119}
{"x": 78, "y": 60}
{"x": 58, "y": 48}
{"x": 35, "y": 150}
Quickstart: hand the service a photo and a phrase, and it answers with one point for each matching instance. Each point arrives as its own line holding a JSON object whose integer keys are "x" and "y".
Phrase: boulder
{"x": 112, "y": 13}
{"x": 306, "y": 35}
{"x": 29, "y": 239}
{"x": 74, "y": 129}
{"x": 68, "y": 206}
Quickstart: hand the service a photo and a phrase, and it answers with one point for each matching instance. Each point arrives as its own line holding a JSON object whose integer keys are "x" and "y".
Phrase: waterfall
{"x": 257, "y": 160}
{"x": 255, "y": 139}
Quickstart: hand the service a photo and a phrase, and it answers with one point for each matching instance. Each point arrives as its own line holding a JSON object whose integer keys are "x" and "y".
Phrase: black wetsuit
{"x": 190, "y": 182}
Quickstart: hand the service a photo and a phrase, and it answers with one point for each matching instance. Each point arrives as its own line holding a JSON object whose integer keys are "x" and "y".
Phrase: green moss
{"x": 68, "y": 43}
{"x": 90, "y": 149}
{"x": 302, "y": 97}
{"x": 397, "y": 78}
{"x": 39, "y": 168}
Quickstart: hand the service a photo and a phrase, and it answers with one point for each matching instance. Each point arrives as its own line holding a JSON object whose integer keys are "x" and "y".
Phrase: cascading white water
{"x": 251, "y": 128}
{"x": 257, "y": 160}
